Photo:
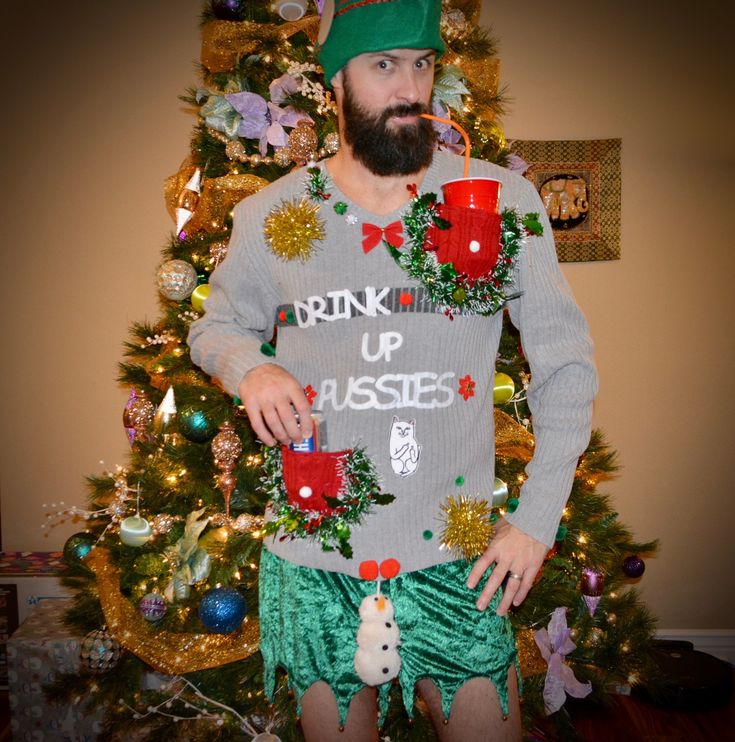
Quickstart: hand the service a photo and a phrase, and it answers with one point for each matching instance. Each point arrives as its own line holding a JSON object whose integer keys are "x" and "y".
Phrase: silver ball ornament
{"x": 176, "y": 279}
{"x": 100, "y": 651}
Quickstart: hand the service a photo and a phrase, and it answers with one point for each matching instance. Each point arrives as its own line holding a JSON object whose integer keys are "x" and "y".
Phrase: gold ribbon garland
{"x": 529, "y": 655}
{"x": 511, "y": 438}
{"x": 219, "y": 196}
{"x": 168, "y": 652}
{"x": 224, "y": 41}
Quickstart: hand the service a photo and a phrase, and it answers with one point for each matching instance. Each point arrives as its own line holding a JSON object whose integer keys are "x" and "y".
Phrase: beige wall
{"x": 93, "y": 125}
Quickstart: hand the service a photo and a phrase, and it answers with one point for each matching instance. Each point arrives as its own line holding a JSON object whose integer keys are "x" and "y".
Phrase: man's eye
{"x": 383, "y": 64}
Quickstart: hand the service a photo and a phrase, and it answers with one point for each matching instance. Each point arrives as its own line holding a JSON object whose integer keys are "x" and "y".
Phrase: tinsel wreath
{"x": 448, "y": 288}
{"x": 332, "y": 529}
{"x": 168, "y": 652}
{"x": 292, "y": 228}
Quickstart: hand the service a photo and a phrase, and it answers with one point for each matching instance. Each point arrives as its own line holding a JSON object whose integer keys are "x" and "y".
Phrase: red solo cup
{"x": 473, "y": 193}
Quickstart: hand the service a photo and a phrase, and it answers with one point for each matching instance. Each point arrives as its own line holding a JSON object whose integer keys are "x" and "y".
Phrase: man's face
{"x": 382, "y": 96}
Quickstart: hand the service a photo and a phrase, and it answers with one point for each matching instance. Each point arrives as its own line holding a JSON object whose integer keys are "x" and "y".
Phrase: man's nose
{"x": 409, "y": 90}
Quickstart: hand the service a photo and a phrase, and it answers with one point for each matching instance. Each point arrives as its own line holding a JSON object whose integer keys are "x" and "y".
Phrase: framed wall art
{"x": 579, "y": 184}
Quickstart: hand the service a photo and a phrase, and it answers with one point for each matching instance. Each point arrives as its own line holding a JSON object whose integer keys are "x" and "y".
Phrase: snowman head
{"x": 376, "y": 608}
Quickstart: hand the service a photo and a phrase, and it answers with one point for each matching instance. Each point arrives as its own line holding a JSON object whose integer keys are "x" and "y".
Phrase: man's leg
{"x": 320, "y": 717}
{"x": 476, "y": 715}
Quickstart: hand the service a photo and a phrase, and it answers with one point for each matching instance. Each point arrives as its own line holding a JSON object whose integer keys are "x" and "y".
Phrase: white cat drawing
{"x": 404, "y": 450}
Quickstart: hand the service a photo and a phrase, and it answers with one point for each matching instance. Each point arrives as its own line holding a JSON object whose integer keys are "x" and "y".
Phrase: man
{"x": 388, "y": 371}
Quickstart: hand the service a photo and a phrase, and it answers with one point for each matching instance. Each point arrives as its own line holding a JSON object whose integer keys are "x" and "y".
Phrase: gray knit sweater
{"x": 395, "y": 379}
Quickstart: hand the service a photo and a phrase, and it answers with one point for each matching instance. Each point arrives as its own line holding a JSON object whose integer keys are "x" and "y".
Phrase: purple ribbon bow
{"x": 554, "y": 645}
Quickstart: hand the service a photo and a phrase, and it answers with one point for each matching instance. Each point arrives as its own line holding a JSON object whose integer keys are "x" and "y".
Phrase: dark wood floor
{"x": 627, "y": 719}
{"x": 635, "y": 719}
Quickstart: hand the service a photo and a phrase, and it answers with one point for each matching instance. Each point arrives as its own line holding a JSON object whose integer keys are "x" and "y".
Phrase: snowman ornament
{"x": 377, "y": 659}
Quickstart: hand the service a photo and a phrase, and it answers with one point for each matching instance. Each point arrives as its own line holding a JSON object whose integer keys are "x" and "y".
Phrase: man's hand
{"x": 272, "y": 398}
{"x": 514, "y": 552}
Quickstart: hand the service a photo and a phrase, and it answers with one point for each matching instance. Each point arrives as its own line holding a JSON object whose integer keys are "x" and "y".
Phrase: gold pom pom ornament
{"x": 468, "y": 527}
{"x": 292, "y": 228}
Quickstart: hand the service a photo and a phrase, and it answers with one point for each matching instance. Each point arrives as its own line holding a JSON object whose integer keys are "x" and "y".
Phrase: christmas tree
{"x": 167, "y": 570}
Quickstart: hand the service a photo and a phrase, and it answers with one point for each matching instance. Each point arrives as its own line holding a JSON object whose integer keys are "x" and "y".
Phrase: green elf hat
{"x": 352, "y": 27}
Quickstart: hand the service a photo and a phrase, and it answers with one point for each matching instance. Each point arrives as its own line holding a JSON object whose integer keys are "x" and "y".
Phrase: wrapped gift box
{"x": 41, "y": 649}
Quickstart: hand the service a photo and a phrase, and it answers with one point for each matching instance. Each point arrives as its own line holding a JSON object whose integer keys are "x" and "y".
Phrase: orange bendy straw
{"x": 464, "y": 136}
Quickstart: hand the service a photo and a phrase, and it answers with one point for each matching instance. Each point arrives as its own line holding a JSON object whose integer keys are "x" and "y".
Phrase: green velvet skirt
{"x": 309, "y": 621}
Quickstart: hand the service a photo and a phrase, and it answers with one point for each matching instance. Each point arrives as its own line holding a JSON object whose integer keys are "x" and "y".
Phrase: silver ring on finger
{"x": 514, "y": 576}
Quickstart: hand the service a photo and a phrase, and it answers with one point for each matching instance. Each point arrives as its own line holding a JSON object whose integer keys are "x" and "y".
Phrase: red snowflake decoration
{"x": 310, "y": 393}
{"x": 467, "y": 387}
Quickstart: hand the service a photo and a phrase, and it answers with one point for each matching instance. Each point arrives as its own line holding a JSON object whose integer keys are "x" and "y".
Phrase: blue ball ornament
{"x": 222, "y": 610}
{"x": 78, "y": 546}
{"x": 195, "y": 425}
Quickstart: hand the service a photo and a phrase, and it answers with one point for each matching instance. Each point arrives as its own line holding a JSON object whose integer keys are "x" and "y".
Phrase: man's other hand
{"x": 272, "y": 398}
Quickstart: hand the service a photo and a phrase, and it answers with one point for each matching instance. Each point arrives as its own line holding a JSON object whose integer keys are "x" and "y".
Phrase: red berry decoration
{"x": 634, "y": 566}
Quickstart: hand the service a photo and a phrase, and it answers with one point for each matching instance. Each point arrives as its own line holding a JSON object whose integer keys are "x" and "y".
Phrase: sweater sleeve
{"x": 240, "y": 310}
{"x": 556, "y": 343}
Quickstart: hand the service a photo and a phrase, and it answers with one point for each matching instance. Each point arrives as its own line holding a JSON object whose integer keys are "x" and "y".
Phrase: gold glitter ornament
{"x": 468, "y": 528}
{"x": 303, "y": 142}
{"x": 292, "y": 228}
{"x": 226, "y": 448}
{"x": 168, "y": 652}
{"x": 163, "y": 522}
{"x": 141, "y": 412}
{"x": 282, "y": 157}
{"x": 331, "y": 143}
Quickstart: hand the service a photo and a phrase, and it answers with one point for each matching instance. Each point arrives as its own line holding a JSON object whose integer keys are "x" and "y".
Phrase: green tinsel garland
{"x": 332, "y": 530}
{"x": 448, "y": 288}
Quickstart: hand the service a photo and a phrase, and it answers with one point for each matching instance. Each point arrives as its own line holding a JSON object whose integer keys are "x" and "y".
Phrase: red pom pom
{"x": 389, "y": 568}
{"x": 369, "y": 570}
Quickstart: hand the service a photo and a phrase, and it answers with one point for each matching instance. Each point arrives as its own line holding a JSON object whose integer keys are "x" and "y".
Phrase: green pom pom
{"x": 341, "y": 208}
{"x": 459, "y": 481}
{"x": 561, "y": 533}
{"x": 512, "y": 505}
{"x": 267, "y": 350}
{"x": 428, "y": 535}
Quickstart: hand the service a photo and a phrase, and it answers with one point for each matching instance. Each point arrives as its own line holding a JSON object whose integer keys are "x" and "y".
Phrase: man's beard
{"x": 401, "y": 149}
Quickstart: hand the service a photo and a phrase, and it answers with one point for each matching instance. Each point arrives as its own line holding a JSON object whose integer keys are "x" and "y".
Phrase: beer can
{"x": 314, "y": 441}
